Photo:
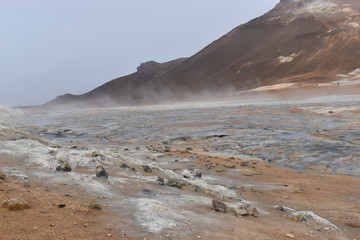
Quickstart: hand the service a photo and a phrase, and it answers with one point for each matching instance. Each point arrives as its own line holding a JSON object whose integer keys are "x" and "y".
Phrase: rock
{"x": 160, "y": 180}
{"x": 101, "y": 172}
{"x": 124, "y": 165}
{"x": 240, "y": 212}
{"x": 65, "y": 167}
{"x": 2, "y": 176}
{"x": 92, "y": 206}
{"x": 280, "y": 208}
{"x": 61, "y": 205}
{"x": 253, "y": 212}
{"x": 147, "y": 169}
{"x": 299, "y": 218}
{"x": 52, "y": 152}
{"x": 15, "y": 204}
{"x": 189, "y": 149}
{"x": 95, "y": 154}
{"x": 289, "y": 235}
{"x": 175, "y": 183}
{"x": 246, "y": 211}
{"x": 218, "y": 206}
{"x": 148, "y": 192}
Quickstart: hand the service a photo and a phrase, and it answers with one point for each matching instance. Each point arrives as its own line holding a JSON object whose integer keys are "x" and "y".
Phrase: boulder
{"x": 15, "y": 204}
{"x": 101, "y": 172}
{"x": 218, "y": 206}
{"x": 65, "y": 167}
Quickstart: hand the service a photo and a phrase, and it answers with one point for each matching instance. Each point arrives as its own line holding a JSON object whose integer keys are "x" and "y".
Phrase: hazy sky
{"x": 52, "y": 47}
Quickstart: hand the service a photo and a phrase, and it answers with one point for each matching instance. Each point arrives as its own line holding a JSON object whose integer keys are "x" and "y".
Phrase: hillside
{"x": 310, "y": 41}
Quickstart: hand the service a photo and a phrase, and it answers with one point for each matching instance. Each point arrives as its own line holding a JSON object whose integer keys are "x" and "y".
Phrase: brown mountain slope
{"x": 298, "y": 41}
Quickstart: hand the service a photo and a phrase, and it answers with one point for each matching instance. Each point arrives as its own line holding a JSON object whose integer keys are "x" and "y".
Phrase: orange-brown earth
{"x": 334, "y": 197}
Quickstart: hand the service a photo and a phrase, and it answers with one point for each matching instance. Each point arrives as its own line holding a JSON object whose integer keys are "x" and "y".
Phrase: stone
{"x": 160, "y": 180}
{"x": 148, "y": 192}
{"x": 280, "y": 208}
{"x": 218, "y": 206}
{"x": 253, "y": 212}
{"x": 92, "y": 206}
{"x": 241, "y": 212}
{"x": 15, "y": 204}
{"x": 289, "y": 235}
{"x": 65, "y": 167}
{"x": 147, "y": 169}
{"x": 95, "y": 154}
{"x": 175, "y": 183}
{"x": 245, "y": 210}
{"x": 124, "y": 165}
{"x": 299, "y": 218}
{"x": 101, "y": 172}
{"x": 2, "y": 176}
{"x": 52, "y": 152}
{"x": 189, "y": 149}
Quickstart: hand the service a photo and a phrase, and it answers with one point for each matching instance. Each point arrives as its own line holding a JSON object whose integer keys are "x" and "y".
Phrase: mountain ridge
{"x": 310, "y": 41}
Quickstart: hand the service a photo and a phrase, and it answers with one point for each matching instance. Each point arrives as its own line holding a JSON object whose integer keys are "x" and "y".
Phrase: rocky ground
{"x": 235, "y": 170}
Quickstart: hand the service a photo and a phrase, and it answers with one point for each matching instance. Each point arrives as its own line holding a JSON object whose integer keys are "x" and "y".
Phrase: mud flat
{"x": 296, "y": 163}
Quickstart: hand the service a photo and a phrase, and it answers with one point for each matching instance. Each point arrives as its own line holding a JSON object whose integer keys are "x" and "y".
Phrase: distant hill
{"x": 299, "y": 41}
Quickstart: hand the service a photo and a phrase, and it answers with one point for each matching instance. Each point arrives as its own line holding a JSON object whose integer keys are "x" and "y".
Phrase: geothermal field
{"x": 255, "y": 169}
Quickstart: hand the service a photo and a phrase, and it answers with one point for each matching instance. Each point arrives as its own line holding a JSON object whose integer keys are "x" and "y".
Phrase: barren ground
{"x": 303, "y": 157}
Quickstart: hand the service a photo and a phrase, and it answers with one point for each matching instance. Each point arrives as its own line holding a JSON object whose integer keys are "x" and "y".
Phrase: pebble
{"x": 289, "y": 235}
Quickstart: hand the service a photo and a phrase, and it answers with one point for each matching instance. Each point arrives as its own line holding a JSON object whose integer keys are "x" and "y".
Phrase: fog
{"x": 49, "y": 48}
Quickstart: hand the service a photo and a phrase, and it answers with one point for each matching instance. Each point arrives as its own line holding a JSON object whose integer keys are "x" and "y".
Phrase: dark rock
{"x": 95, "y": 154}
{"x": 101, "y": 172}
{"x": 175, "y": 183}
{"x": 189, "y": 149}
{"x": 2, "y": 176}
{"x": 218, "y": 206}
{"x": 198, "y": 175}
{"x": 160, "y": 180}
{"x": 148, "y": 192}
{"x": 61, "y": 205}
{"x": 124, "y": 165}
{"x": 280, "y": 208}
{"x": 147, "y": 169}
{"x": 15, "y": 204}
{"x": 65, "y": 167}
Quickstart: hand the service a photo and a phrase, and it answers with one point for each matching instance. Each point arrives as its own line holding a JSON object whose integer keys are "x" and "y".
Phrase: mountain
{"x": 299, "y": 41}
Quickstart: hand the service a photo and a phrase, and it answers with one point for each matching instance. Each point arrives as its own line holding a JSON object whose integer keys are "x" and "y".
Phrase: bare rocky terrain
{"x": 284, "y": 169}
